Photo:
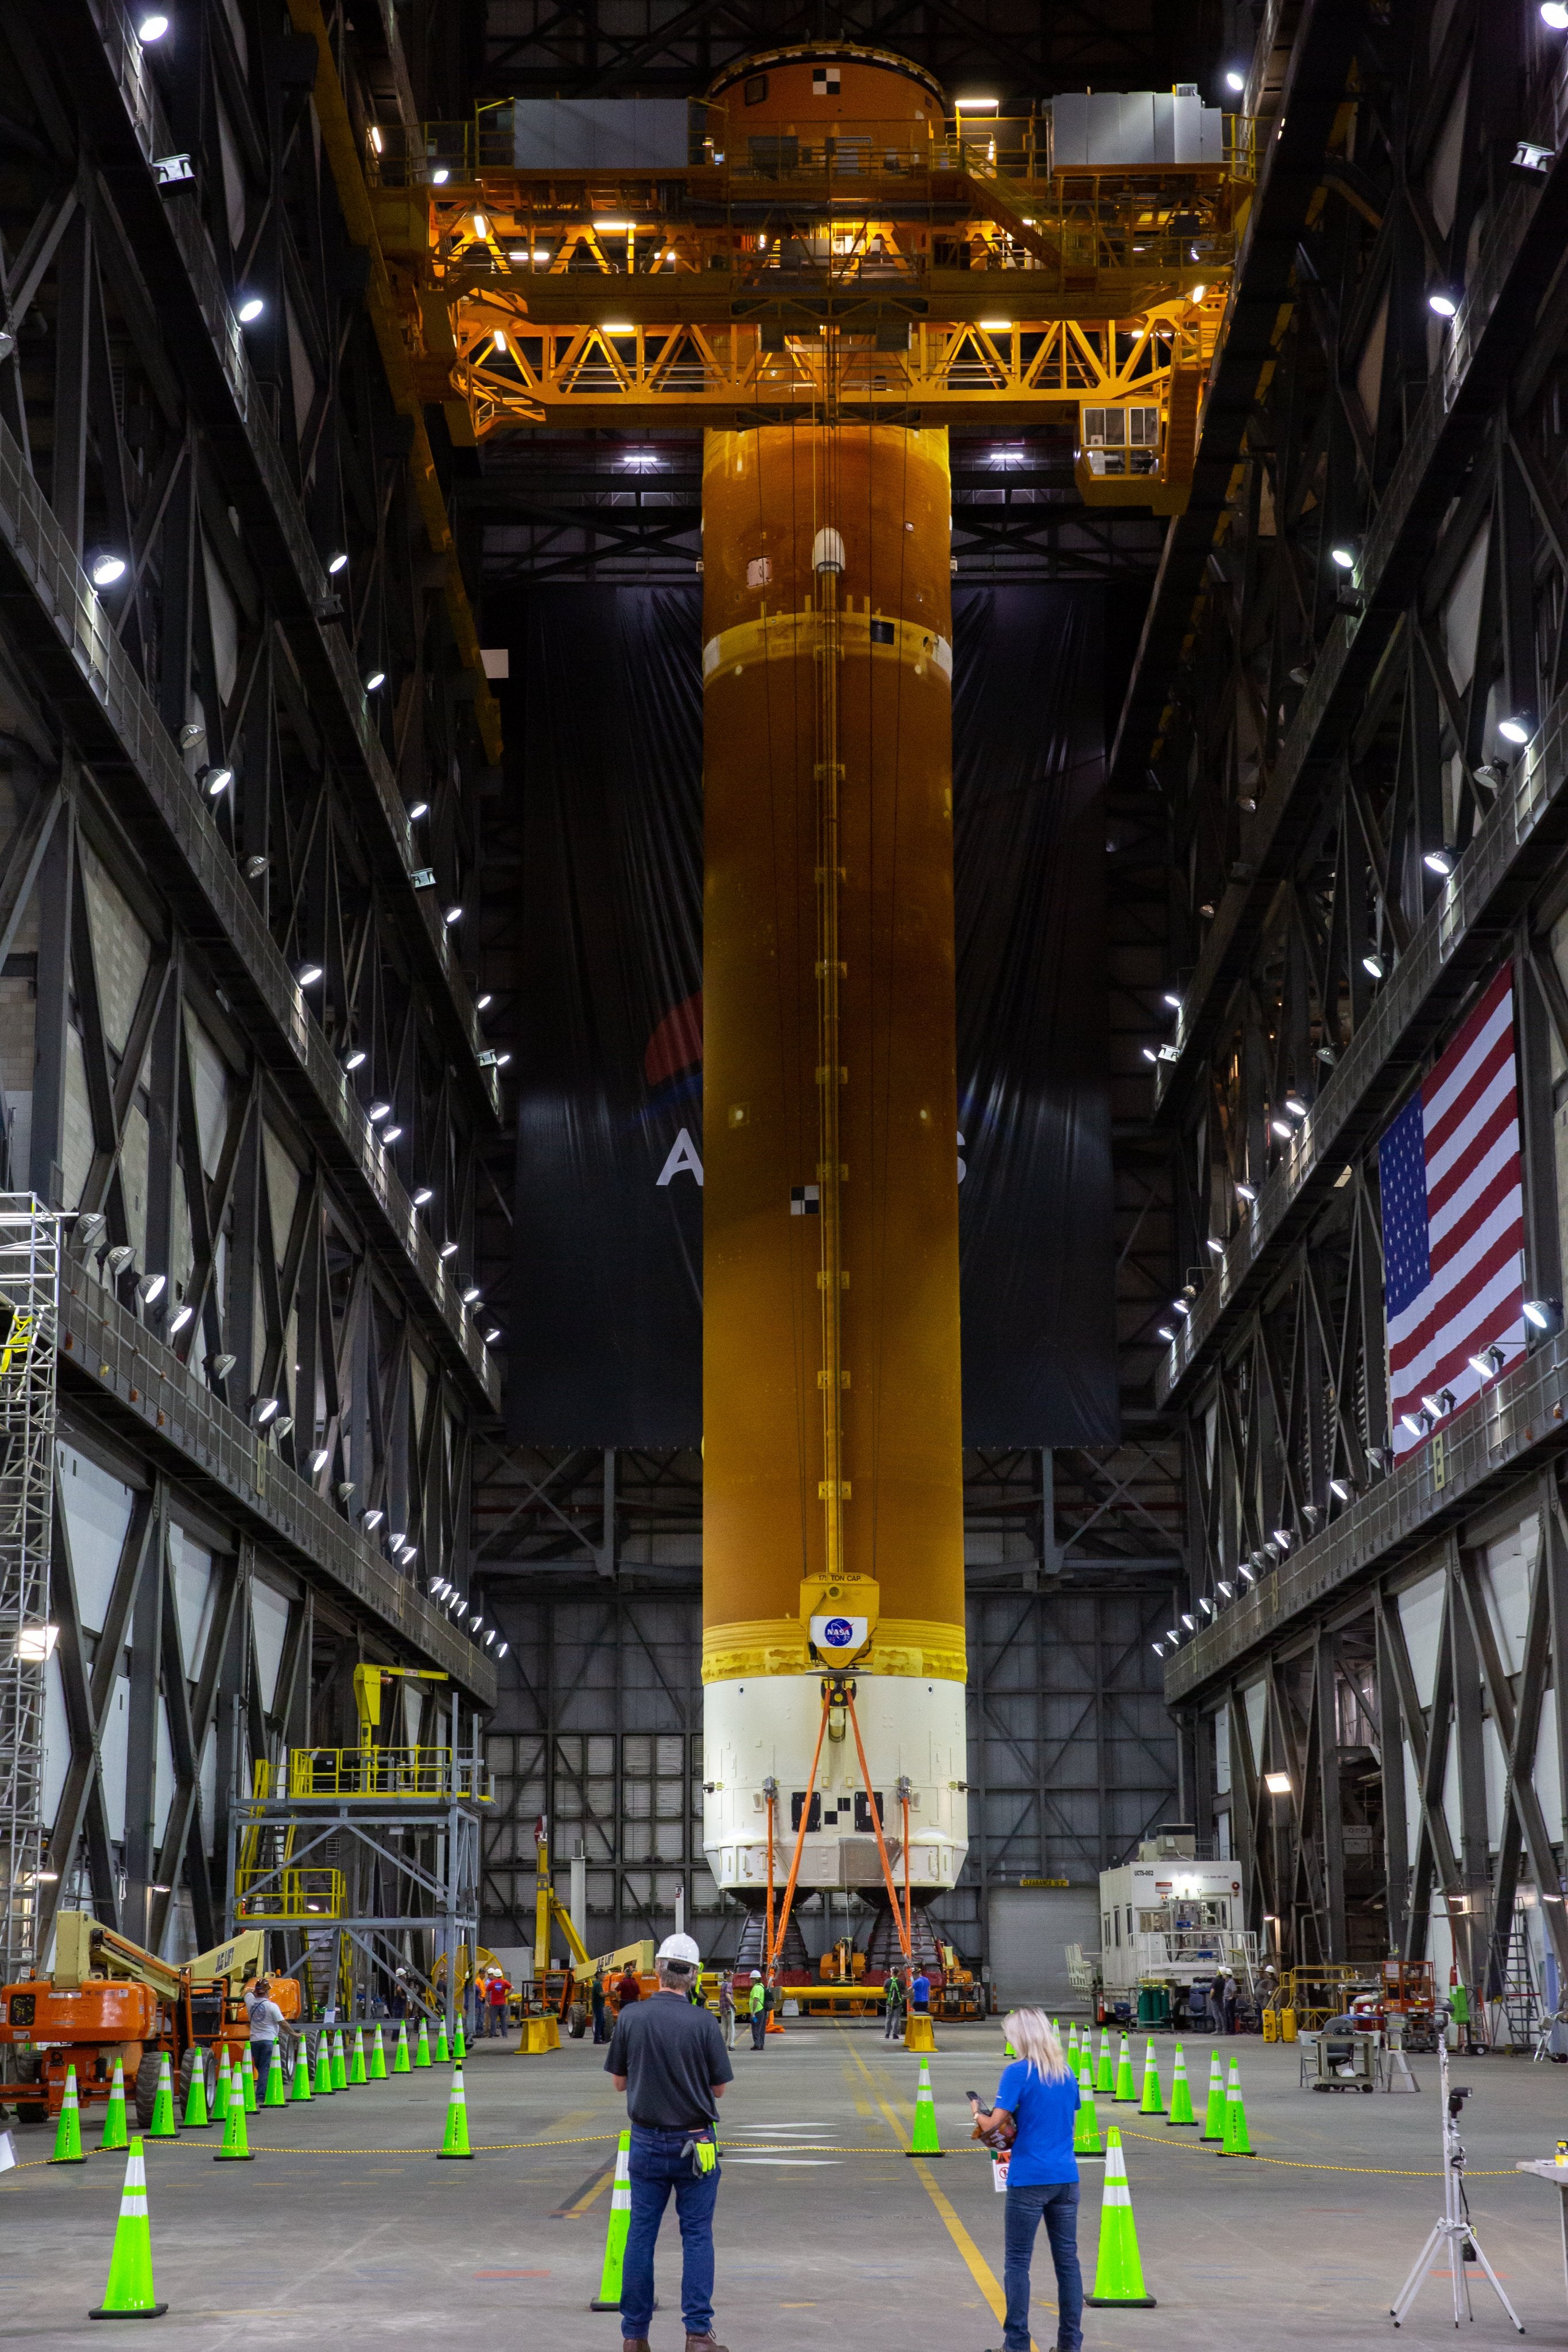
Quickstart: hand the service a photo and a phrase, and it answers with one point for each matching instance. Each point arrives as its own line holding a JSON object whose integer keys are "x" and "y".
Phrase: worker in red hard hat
{"x": 669, "y": 2058}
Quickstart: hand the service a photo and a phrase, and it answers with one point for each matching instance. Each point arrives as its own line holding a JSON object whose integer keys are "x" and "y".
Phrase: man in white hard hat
{"x": 670, "y": 2060}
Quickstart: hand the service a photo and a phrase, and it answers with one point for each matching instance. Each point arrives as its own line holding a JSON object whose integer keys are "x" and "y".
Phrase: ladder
{"x": 1519, "y": 1999}
{"x": 29, "y": 1311}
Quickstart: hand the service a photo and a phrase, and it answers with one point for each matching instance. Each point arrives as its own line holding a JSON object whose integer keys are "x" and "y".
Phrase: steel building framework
{"x": 1370, "y": 578}
{"x": 29, "y": 1300}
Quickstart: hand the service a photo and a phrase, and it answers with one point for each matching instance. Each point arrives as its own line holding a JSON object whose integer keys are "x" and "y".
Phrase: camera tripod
{"x": 1453, "y": 2233}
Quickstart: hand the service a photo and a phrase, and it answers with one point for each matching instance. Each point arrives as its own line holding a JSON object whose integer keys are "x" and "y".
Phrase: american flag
{"x": 1453, "y": 1223}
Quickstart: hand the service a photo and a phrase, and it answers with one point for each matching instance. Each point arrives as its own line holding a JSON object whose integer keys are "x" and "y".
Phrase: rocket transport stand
{"x": 1453, "y": 2234}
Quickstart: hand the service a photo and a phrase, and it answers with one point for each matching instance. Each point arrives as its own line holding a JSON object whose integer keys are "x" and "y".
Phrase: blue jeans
{"x": 1058, "y": 2203}
{"x": 657, "y": 2167}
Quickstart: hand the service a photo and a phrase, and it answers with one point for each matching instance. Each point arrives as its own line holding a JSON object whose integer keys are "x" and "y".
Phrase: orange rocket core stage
{"x": 827, "y": 621}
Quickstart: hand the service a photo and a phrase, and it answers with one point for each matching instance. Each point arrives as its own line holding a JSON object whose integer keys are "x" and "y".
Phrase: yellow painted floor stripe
{"x": 979, "y": 2270}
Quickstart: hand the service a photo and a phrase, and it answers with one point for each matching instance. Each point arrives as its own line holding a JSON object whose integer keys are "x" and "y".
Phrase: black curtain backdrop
{"x": 606, "y": 701}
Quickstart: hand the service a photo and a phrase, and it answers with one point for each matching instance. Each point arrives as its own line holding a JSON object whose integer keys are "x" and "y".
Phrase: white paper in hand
{"x": 7, "y": 2152}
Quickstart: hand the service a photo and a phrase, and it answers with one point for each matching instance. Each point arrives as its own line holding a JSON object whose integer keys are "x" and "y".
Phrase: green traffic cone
{"x": 303, "y": 2094}
{"x": 421, "y": 2050}
{"x": 357, "y": 2060}
{"x": 275, "y": 2095}
{"x": 196, "y": 2115}
{"x": 339, "y": 2065}
{"x": 67, "y": 2131}
{"x": 1118, "y": 2272}
{"x": 251, "y": 2101}
{"x": 378, "y": 2057}
{"x": 324, "y": 2085}
{"x": 1125, "y": 2093}
{"x": 163, "y": 2126}
{"x": 442, "y": 2047}
{"x": 459, "y": 2045}
{"x": 609, "y": 2280}
{"x": 115, "y": 2134}
{"x": 1214, "y": 2114}
{"x": 1072, "y": 2043}
{"x": 1105, "y": 2073}
{"x": 1151, "y": 2104}
{"x": 457, "y": 2140}
{"x": 1181, "y": 2094}
{"x": 236, "y": 2148}
{"x": 129, "y": 2294}
{"x": 400, "y": 2055}
{"x": 927, "y": 2140}
{"x": 1236, "y": 2140}
{"x": 1086, "y": 2140}
{"x": 225, "y": 2085}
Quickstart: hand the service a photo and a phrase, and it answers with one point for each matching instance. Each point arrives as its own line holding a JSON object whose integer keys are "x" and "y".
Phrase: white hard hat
{"x": 680, "y": 1948}
{"x": 756, "y": 1976}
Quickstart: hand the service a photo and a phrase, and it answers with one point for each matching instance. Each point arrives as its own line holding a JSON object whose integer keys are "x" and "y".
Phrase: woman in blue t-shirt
{"x": 1039, "y": 2095}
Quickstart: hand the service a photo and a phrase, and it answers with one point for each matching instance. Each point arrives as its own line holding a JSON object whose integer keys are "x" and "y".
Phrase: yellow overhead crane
{"x": 948, "y": 272}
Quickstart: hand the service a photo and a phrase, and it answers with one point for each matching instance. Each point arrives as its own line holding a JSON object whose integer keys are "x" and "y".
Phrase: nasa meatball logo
{"x": 838, "y": 1632}
{"x": 838, "y": 1636}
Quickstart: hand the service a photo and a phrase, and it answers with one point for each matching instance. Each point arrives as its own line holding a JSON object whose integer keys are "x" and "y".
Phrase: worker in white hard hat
{"x": 759, "y": 2007}
{"x": 670, "y": 2060}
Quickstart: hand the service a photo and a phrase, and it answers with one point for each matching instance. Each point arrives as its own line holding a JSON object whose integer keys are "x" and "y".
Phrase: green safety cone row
{"x": 302, "y": 2091}
{"x": 609, "y": 2278}
{"x": 1214, "y": 2114}
{"x": 927, "y": 2140}
{"x": 163, "y": 2126}
{"x": 129, "y": 2294}
{"x": 67, "y": 2131}
{"x": 1236, "y": 2142}
{"x": 339, "y": 2064}
{"x": 236, "y": 2148}
{"x": 1086, "y": 2140}
{"x": 457, "y": 2140}
{"x": 1118, "y": 2272}
{"x": 442, "y": 2047}
{"x": 399, "y": 2057}
{"x": 115, "y": 2134}
{"x": 1124, "y": 2094}
{"x": 421, "y": 2050}
{"x": 1151, "y": 2104}
{"x": 1181, "y": 2094}
{"x": 324, "y": 2085}
{"x": 357, "y": 2059}
{"x": 197, "y": 2116}
{"x": 1105, "y": 2073}
{"x": 378, "y": 2057}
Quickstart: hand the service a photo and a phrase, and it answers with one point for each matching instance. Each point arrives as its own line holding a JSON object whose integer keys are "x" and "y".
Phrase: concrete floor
{"x": 347, "y": 2230}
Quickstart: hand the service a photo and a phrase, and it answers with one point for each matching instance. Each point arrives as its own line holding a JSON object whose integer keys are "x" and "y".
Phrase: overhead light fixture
{"x": 1326, "y": 1055}
{"x": 621, "y": 327}
{"x": 151, "y": 1288}
{"x": 477, "y": 1620}
{"x": 1227, "y": 1591}
{"x": 481, "y": 226}
{"x": 1418, "y": 1424}
{"x": 1489, "y": 1364}
{"x": 1158, "y": 1648}
{"x": 1165, "y": 1333}
{"x": 492, "y": 1335}
{"x": 1295, "y": 1106}
{"x": 378, "y": 1110}
{"x": 482, "y": 1004}
{"x": 452, "y": 915}
{"x": 507, "y": 1645}
{"x": 1544, "y": 1314}
{"x": 255, "y": 867}
{"x": 191, "y": 733}
{"x": 423, "y": 1195}
{"x": 283, "y": 1424}
{"x": 320, "y": 1460}
{"x": 250, "y": 310}
{"x": 151, "y": 27}
{"x": 1342, "y": 553}
{"x": 1282, "y": 1129}
{"x": 499, "y": 340}
{"x": 104, "y": 567}
{"x": 1277, "y": 1783}
{"x": 1172, "y": 1634}
{"x": 408, "y": 1552}
{"x": 355, "y": 1058}
{"x": 1198, "y": 292}
{"x": 309, "y": 974}
{"x": 1443, "y": 1402}
{"x": 1373, "y": 964}
{"x": 1283, "y": 1539}
{"x": 337, "y": 563}
{"x": 1515, "y": 730}
{"x": 1554, "y": 14}
{"x": 216, "y": 780}
{"x": 1150, "y": 1055}
{"x": 1340, "y": 1486}
{"x": 471, "y": 1294}
{"x": 1442, "y": 303}
{"x": 1441, "y": 861}
{"x": 370, "y": 1520}
{"x": 1246, "y": 1192}
{"x": 1235, "y": 81}
{"x": 179, "y": 1320}
{"x": 1206, "y": 1604}
{"x": 416, "y": 809}
{"x": 343, "y": 1490}
{"x": 1245, "y": 1574}
{"x": 375, "y": 678}
{"x": 994, "y": 326}
{"x": 440, "y": 176}
{"x": 448, "y": 1249}
{"x": 264, "y": 1409}
{"x": 119, "y": 1258}
{"x": 89, "y": 1228}
{"x": 1217, "y": 1246}
{"x": 1180, "y": 1307}
{"x": 221, "y": 1367}
{"x": 1189, "y": 1621}
{"x": 1172, "y": 998}
{"x": 390, "y": 1134}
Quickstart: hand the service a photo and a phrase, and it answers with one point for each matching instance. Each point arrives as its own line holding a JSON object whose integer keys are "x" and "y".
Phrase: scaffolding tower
{"x": 29, "y": 1296}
